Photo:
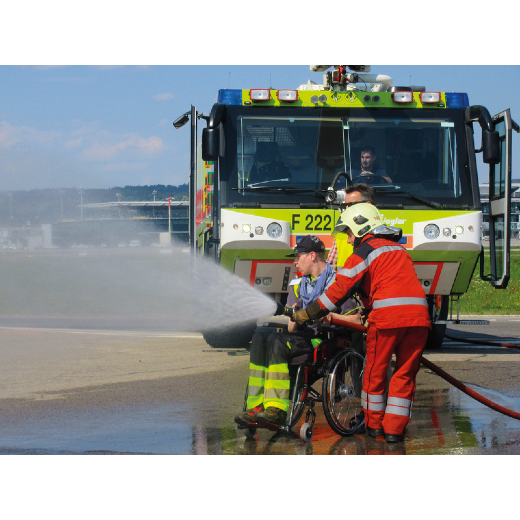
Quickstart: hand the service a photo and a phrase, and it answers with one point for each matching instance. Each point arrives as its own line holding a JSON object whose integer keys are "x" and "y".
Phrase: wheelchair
{"x": 340, "y": 368}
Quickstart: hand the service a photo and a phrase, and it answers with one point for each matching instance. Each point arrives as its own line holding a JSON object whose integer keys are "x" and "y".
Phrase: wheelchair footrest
{"x": 263, "y": 424}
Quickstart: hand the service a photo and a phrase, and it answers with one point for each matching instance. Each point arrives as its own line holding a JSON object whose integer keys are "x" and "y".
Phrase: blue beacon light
{"x": 230, "y": 96}
{"x": 457, "y": 100}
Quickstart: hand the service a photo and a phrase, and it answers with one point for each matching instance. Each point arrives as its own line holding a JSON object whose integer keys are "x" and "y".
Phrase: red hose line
{"x": 481, "y": 342}
{"x": 342, "y": 322}
{"x": 463, "y": 388}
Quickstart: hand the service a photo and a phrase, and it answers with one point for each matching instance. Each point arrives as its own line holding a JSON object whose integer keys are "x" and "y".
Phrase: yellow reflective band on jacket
{"x": 316, "y": 341}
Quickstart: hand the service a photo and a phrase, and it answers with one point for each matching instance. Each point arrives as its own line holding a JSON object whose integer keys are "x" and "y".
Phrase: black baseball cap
{"x": 307, "y": 244}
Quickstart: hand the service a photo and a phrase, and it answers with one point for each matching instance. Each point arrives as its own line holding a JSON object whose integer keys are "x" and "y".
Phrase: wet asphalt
{"x": 70, "y": 390}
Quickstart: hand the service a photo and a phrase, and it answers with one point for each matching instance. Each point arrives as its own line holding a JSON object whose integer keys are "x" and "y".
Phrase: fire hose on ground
{"x": 481, "y": 342}
{"x": 336, "y": 320}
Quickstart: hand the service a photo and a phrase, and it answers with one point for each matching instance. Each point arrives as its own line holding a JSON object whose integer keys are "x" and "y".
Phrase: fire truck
{"x": 272, "y": 164}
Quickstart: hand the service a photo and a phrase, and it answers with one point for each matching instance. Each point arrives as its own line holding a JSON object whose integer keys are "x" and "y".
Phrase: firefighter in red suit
{"x": 381, "y": 272}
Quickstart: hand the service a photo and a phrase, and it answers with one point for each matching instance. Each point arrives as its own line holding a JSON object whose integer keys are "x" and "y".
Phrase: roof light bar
{"x": 430, "y": 97}
{"x": 258, "y": 94}
{"x": 230, "y": 96}
{"x": 456, "y": 99}
{"x": 287, "y": 95}
{"x": 402, "y": 96}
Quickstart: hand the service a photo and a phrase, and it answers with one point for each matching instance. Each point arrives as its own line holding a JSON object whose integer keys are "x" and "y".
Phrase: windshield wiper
{"x": 430, "y": 203}
{"x": 279, "y": 188}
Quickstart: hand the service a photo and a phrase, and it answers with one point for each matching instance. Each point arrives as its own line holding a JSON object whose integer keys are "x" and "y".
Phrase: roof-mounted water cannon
{"x": 333, "y": 196}
{"x": 341, "y": 79}
{"x": 355, "y": 68}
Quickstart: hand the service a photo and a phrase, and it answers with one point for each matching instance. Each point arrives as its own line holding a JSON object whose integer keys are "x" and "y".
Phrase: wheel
{"x": 306, "y": 432}
{"x": 342, "y": 385}
{"x": 438, "y": 308}
{"x": 298, "y": 406}
{"x": 232, "y": 337}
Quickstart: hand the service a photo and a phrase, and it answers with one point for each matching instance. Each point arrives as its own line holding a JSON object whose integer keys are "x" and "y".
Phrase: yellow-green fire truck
{"x": 272, "y": 164}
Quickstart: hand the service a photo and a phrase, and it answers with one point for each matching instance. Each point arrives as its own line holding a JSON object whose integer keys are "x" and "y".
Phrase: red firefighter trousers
{"x": 391, "y": 413}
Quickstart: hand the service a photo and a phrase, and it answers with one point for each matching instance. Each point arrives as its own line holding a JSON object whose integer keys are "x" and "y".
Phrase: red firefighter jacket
{"x": 381, "y": 272}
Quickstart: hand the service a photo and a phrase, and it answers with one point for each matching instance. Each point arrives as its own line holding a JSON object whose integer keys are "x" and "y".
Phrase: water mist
{"x": 167, "y": 290}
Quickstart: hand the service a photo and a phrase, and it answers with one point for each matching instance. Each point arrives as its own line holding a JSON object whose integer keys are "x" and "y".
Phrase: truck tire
{"x": 436, "y": 334}
{"x": 230, "y": 337}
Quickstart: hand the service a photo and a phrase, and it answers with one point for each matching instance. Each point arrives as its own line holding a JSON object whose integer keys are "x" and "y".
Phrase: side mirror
{"x": 210, "y": 144}
{"x": 490, "y": 147}
{"x": 216, "y": 114}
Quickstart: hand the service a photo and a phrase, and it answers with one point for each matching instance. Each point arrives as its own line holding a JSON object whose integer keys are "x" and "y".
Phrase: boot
{"x": 375, "y": 433}
{"x": 249, "y": 416}
{"x": 390, "y": 437}
{"x": 273, "y": 415}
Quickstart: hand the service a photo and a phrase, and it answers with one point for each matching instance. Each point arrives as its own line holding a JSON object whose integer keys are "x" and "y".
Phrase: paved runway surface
{"x": 69, "y": 390}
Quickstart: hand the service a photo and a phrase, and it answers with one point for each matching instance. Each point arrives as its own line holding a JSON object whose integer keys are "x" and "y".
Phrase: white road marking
{"x": 142, "y": 334}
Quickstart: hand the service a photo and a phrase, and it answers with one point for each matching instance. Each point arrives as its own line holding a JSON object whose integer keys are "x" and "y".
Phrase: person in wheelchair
{"x": 268, "y": 398}
{"x": 382, "y": 273}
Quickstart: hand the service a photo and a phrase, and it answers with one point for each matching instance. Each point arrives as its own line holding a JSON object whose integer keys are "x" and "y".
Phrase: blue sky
{"x": 105, "y": 126}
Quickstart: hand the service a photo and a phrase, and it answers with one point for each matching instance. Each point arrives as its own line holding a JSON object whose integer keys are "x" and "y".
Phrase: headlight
{"x": 246, "y": 228}
{"x": 259, "y": 230}
{"x": 446, "y": 231}
{"x": 431, "y": 231}
{"x": 274, "y": 230}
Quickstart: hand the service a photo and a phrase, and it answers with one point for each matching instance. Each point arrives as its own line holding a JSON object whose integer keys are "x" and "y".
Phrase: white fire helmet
{"x": 360, "y": 218}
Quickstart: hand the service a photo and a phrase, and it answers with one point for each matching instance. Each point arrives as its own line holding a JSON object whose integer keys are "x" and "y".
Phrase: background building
{"x": 107, "y": 224}
{"x": 134, "y": 223}
{"x": 515, "y": 208}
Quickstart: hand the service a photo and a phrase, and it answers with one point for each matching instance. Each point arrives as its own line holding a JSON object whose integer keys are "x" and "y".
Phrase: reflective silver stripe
{"x": 373, "y": 398}
{"x": 398, "y": 410}
{"x": 326, "y": 301}
{"x": 256, "y": 373}
{"x": 280, "y": 376}
{"x": 392, "y": 302}
{"x": 350, "y": 273}
{"x": 399, "y": 401}
{"x": 254, "y": 391}
{"x": 399, "y": 406}
{"x": 375, "y": 402}
{"x": 276, "y": 393}
{"x": 376, "y": 398}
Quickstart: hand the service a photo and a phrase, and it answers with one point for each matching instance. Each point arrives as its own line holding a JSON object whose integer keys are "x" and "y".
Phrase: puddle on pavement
{"x": 133, "y": 429}
{"x": 443, "y": 422}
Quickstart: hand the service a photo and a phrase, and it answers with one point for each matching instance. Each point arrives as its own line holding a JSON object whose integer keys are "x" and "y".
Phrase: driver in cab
{"x": 369, "y": 174}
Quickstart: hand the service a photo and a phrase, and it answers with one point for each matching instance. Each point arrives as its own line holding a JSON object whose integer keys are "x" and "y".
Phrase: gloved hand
{"x": 311, "y": 312}
{"x": 300, "y": 317}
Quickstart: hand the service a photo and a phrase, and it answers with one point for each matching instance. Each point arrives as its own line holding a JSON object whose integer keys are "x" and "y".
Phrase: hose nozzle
{"x": 284, "y": 311}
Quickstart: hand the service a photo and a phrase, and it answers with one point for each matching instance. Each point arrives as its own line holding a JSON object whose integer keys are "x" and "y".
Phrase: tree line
{"x": 50, "y": 205}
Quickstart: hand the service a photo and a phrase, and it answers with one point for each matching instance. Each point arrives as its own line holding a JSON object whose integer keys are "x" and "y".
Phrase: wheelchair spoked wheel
{"x": 298, "y": 406}
{"x": 342, "y": 385}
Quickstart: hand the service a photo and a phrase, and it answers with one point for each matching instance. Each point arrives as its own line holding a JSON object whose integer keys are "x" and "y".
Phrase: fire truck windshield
{"x": 412, "y": 158}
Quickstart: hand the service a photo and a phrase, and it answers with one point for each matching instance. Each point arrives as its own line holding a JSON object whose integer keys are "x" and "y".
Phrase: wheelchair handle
{"x": 342, "y": 322}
